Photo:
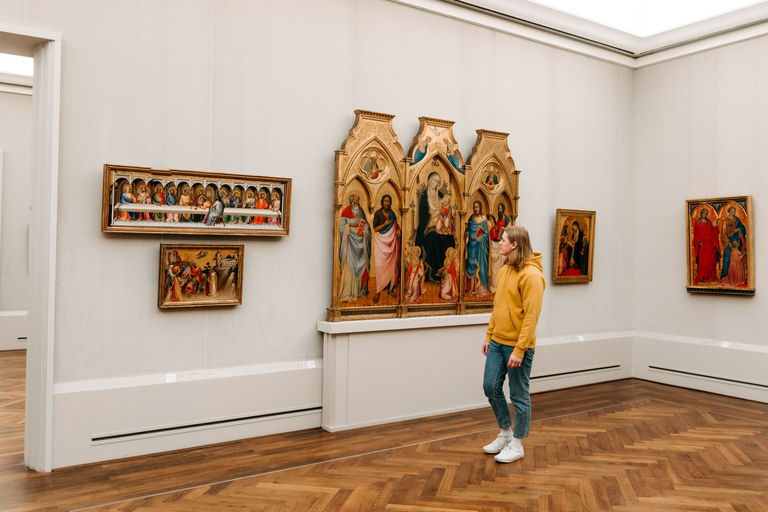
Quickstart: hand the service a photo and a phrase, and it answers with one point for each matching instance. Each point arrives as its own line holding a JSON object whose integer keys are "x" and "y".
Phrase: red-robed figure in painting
{"x": 705, "y": 248}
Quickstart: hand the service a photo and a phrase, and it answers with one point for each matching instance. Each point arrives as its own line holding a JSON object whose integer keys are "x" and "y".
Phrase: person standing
{"x": 511, "y": 340}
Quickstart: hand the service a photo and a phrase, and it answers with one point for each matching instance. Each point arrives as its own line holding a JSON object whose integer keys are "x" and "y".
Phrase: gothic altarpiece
{"x": 418, "y": 235}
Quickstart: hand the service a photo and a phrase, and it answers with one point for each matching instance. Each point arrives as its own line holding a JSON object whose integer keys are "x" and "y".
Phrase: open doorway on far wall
{"x": 16, "y": 77}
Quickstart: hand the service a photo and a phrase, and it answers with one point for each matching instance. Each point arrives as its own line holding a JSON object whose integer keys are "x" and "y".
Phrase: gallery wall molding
{"x": 45, "y": 46}
{"x": 573, "y": 34}
{"x": 154, "y": 414}
{"x": 356, "y": 395}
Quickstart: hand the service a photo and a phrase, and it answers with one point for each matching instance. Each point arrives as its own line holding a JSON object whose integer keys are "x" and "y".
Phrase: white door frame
{"x": 45, "y": 47}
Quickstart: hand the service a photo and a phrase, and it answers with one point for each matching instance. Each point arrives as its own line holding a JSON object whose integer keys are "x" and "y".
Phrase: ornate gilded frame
{"x": 200, "y": 275}
{"x": 126, "y": 209}
{"x": 573, "y": 263}
{"x": 369, "y": 166}
{"x": 717, "y": 249}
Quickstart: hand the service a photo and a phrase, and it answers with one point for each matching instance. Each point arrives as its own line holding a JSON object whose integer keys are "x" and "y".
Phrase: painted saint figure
{"x": 421, "y": 150}
{"x": 433, "y": 244}
{"x": 354, "y": 251}
{"x": 275, "y": 207}
{"x": 414, "y": 277}
{"x": 215, "y": 213}
{"x": 476, "y": 242}
{"x": 236, "y": 202}
{"x": 386, "y": 248}
{"x": 250, "y": 202}
{"x": 732, "y": 230}
{"x": 497, "y": 230}
{"x": 449, "y": 285}
{"x": 453, "y": 156}
{"x": 261, "y": 204}
{"x": 199, "y": 203}
{"x": 170, "y": 200}
{"x": 144, "y": 197}
{"x": 372, "y": 167}
{"x": 127, "y": 197}
{"x": 705, "y": 248}
{"x": 186, "y": 200}
{"x": 158, "y": 199}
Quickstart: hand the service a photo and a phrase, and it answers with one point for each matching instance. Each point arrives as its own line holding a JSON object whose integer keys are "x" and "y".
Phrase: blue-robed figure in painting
{"x": 354, "y": 251}
{"x": 421, "y": 151}
{"x": 733, "y": 237}
{"x": 453, "y": 156}
{"x": 477, "y": 243}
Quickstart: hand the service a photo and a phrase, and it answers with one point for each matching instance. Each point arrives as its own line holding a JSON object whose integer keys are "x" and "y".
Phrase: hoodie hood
{"x": 535, "y": 261}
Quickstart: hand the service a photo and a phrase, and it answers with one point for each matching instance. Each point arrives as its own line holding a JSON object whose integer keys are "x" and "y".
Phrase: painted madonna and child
{"x": 720, "y": 255}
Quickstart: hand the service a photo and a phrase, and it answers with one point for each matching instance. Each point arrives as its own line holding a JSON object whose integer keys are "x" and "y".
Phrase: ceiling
{"x": 634, "y": 28}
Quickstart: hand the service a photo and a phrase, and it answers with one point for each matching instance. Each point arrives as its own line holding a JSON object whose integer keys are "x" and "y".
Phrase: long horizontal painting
{"x": 143, "y": 200}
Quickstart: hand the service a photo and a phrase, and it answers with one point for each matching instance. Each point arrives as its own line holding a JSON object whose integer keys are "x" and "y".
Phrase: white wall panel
{"x": 16, "y": 189}
{"x": 700, "y": 126}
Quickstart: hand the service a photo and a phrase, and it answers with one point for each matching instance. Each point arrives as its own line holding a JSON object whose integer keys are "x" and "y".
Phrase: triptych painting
{"x": 419, "y": 234}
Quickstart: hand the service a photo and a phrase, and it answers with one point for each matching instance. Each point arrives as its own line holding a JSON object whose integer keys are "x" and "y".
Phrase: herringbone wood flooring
{"x": 626, "y": 445}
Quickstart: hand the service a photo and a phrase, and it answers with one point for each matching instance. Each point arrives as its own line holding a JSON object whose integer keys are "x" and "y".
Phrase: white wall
{"x": 15, "y": 215}
{"x": 701, "y": 123}
{"x": 16, "y": 143}
{"x": 269, "y": 88}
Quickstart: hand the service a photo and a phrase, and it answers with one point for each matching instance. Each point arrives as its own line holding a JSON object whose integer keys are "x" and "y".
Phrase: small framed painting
{"x": 574, "y": 246}
{"x": 193, "y": 275}
{"x": 721, "y": 258}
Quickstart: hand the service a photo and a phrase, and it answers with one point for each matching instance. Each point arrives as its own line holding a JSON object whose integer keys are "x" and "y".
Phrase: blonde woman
{"x": 510, "y": 341}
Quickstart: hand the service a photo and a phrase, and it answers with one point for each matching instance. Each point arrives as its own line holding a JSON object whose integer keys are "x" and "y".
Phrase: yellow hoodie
{"x": 517, "y": 305}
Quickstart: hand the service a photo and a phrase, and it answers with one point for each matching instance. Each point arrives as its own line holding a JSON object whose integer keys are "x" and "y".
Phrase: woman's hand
{"x": 514, "y": 361}
{"x": 486, "y": 344}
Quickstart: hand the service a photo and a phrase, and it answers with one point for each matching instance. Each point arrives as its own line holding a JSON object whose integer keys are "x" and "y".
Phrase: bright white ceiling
{"x": 645, "y": 18}
{"x": 634, "y": 28}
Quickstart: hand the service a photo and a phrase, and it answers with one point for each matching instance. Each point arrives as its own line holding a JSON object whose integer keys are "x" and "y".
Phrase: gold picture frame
{"x": 574, "y": 246}
{"x": 720, "y": 239}
{"x": 144, "y": 200}
{"x": 200, "y": 275}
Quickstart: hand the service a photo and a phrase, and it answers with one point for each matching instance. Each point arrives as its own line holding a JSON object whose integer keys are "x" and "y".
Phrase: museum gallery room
{"x": 253, "y": 254}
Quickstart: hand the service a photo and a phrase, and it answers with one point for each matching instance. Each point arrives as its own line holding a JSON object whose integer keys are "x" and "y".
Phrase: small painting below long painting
{"x": 721, "y": 258}
{"x": 193, "y": 275}
{"x": 574, "y": 246}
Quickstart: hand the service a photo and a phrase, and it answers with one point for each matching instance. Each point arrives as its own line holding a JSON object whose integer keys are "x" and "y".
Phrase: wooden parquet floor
{"x": 625, "y": 445}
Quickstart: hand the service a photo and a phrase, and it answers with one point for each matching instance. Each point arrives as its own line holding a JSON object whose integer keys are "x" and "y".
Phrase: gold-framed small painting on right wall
{"x": 720, "y": 239}
{"x": 574, "y": 246}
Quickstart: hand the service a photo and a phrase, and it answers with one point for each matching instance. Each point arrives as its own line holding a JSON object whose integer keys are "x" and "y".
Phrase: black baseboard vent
{"x": 188, "y": 426}
{"x": 711, "y": 377}
{"x": 576, "y": 372}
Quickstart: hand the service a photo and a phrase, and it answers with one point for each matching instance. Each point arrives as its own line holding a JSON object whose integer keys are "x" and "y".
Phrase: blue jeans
{"x": 519, "y": 390}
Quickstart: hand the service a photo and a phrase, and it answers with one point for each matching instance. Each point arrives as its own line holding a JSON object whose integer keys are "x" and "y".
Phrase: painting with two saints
{"x": 411, "y": 239}
{"x": 720, "y": 246}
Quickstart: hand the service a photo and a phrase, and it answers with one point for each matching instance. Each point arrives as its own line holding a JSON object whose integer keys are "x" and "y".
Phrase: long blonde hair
{"x": 523, "y": 252}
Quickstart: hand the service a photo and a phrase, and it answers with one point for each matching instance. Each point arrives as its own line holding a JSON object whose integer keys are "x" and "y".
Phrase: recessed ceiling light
{"x": 645, "y": 18}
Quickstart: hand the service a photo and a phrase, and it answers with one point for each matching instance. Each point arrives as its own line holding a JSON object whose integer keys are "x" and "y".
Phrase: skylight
{"x": 645, "y": 18}
{"x": 16, "y": 65}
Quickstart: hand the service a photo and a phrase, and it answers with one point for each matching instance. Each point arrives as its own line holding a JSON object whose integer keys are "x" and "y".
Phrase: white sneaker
{"x": 498, "y": 444}
{"x": 510, "y": 453}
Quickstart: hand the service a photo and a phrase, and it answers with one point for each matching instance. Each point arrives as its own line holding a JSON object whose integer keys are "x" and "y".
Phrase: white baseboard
{"x": 370, "y": 378}
{"x": 14, "y": 329}
{"x": 118, "y": 418}
{"x": 733, "y": 369}
{"x": 381, "y": 377}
